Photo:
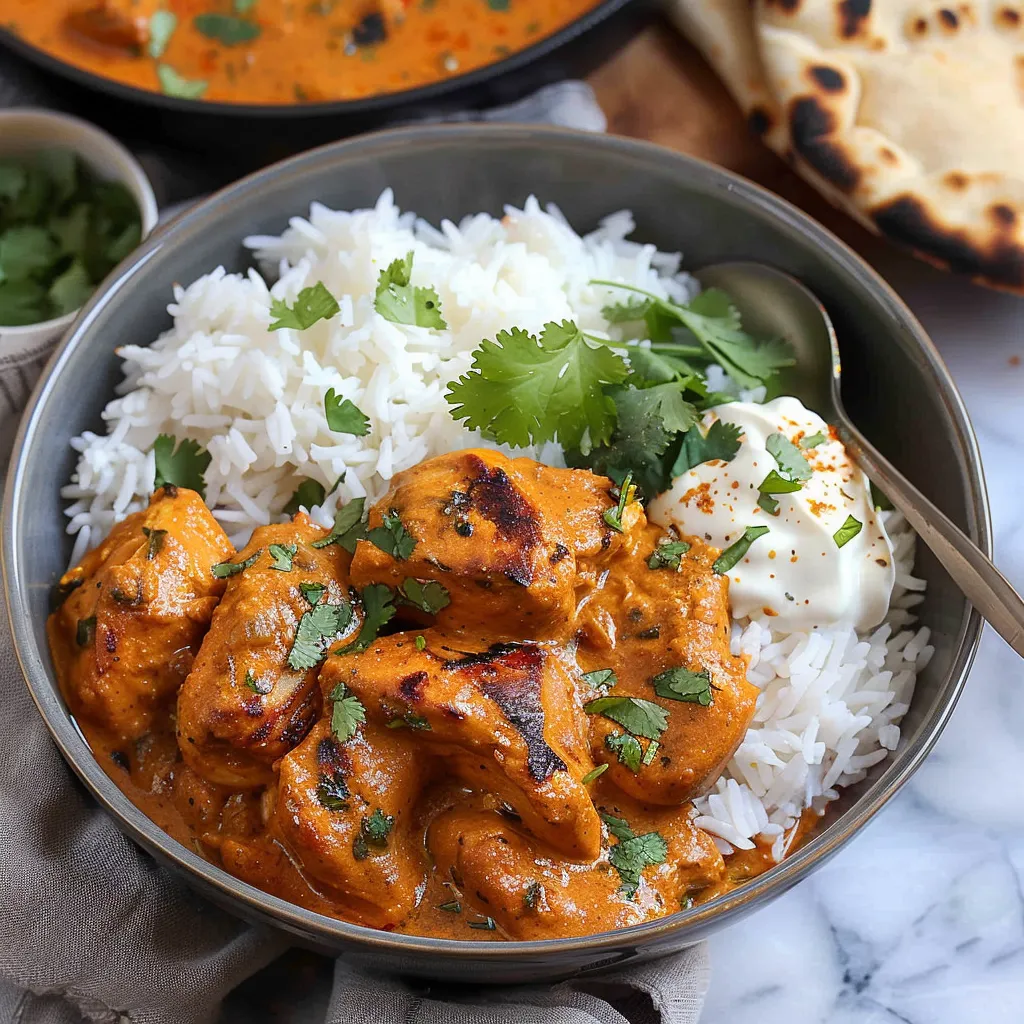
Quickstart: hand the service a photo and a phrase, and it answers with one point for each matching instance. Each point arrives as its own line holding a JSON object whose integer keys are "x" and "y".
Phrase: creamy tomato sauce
{"x": 285, "y": 51}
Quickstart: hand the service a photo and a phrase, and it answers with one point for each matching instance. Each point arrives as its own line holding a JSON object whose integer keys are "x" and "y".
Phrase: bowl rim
{"x": 423, "y": 94}
{"x": 149, "y": 213}
{"x": 330, "y": 931}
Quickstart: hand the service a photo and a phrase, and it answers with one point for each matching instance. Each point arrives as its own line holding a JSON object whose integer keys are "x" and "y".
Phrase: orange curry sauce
{"x": 285, "y": 51}
{"x": 466, "y": 729}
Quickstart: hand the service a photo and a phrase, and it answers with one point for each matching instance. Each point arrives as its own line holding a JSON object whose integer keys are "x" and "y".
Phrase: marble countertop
{"x": 921, "y": 918}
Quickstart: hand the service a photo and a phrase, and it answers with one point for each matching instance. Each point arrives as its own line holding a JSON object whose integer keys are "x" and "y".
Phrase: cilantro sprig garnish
{"x": 282, "y": 555}
{"x": 601, "y": 678}
{"x": 524, "y": 390}
{"x": 344, "y": 416}
{"x": 316, "y": 630}
{"x": 180, "y": 463}
{"x": 347, "y": 713}
{"x": 397, "y": 300}
{"x": 668, "y": 554}
{"x": 632, "y": 853}
{"x": 627, "y": 493}
{"x": 427, "y": 595}
{"x": 392, "y": 537}
{"x": 636, "y": 715}
{"x": 734, "y": 552}
{"x": 683, "y": 685}
{"x": 349, "y": 527}
{"x": 311, "y": 304}
{"x": 792, "y": 462}
{"x": 373, "y": 832}
{"x": 378, "y": 601}
{"x": 224, "y": 569}
{"x": 627, "y": 747}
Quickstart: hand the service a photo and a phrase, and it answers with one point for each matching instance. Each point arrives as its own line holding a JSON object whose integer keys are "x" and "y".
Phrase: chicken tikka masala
{"x": 482, "y": 710}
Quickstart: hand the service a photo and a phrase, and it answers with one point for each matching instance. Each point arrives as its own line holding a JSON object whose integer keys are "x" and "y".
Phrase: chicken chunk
{"x": 531, "y": 894}
{"x": 503, "y": 719}
{"x": 243, "y": 706}
{"x": 643, "y": 623}
{"x": 501, "y": 535}
{"x": 344, "y": 813}
{"x": 142, "y": 602}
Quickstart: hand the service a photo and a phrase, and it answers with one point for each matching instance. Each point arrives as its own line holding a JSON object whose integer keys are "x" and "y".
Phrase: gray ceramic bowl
{"x": 896, "y": 388}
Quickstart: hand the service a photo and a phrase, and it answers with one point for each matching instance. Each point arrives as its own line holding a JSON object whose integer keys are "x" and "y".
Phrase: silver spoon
{"x": 772, "y": 302}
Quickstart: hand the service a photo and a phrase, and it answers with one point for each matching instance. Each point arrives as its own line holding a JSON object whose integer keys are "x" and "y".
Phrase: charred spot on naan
{"x": 759, "y": 121}
{"x": 811, "y": 127}
{"x": 998, "y": 259}
{"x": 853, "y": 18}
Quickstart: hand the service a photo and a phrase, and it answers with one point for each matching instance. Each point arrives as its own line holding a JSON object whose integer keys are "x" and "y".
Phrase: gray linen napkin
{"x": 91, "y": 929}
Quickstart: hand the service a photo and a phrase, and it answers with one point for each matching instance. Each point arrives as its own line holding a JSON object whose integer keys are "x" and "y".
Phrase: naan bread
{"x": 909, "y": 114}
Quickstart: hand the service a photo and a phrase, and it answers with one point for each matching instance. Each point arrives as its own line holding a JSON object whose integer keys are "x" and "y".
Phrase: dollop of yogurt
{"x": 798, "y": 574}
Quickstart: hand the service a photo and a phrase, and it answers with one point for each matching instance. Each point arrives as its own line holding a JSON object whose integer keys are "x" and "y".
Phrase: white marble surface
{"x": 921, "y": 918}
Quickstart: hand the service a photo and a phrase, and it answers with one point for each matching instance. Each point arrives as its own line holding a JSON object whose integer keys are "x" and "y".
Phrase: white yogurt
{"x": 796, "y": 573}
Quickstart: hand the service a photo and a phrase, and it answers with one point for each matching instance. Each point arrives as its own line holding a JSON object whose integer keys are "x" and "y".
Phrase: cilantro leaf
{"x": 630, "y": 856}
{"x": 668, "y": 554}
{"x": 627, "y": 748}
{"x": 684, "y": 685}
{"x": 647, "y": 366}
{"x": 312, "y": 304}
{"x": 348, "y": 528}
{"x": 155, "y": 543}
{"x": 638, "y": 716}
{"x": 427, "y": 595}
{"x": 332, "y": 791}
{"x": 373, "y": 831}
{"x": 627, "y": 493}
{"x": 161, "y": 27}
{"x": 25, "y": 251}
{"x": 226, "y": 28}
{"x": 392, "y": 538}
{"x": 282, "y": 554}
{"x": 734, "y": 552}
{"x": 316, "y": 630}
{"x": 847, "y": 531}
{"x": 398, "y": 301}
{"x": 618, "y": 827}
{"x": 13, "y": 178}
{"x": 22, "y": 303}
{"x": 812, "y": 441}
{"x": 224, "y": 569}
{"x": 593, "y": 774}
{"x": 312, "y": 592}
{"x": 347, "y": 713}
{"x": 409, "y": 721}
{"x": 181, "y": 464}
{"x": 649, "y": 754}
{"x": 721, "y": 442}
{"x": 70, "y": 289}
{"x": 775, "y": 483}
{"x": 308, "y": 494}
{"x": 378, "y": 610}
{"x": 523, "y": 390}
{"x": 768, "y": 504}
{"x": 421, "y": 643}
{"x": 533, "y": 895}
{"x": 173, "y": 84}
{"x": 791, "y": 460}
{"x": 601, "y": 678}
{"x": 261, "y": 686}
{"x": 344, "y": 416}
{"x": 627, "y": 312}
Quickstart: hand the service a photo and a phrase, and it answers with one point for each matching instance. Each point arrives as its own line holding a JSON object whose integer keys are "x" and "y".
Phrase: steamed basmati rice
{"x": 830, "y": 701}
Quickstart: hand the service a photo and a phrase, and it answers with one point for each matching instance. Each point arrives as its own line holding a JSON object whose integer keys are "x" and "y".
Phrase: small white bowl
{"x": 27, "y": 130}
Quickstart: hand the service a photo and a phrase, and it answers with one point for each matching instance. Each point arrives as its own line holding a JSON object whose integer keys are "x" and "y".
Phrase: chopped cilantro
{"x": 668, "y": 554}
{"x": 161, "y": 27}
{"x": 421, "y": 643}
{"x": 768, "y": 504}
{"x": 812, "y": 441}
{"x": 332, "y": 791}
{"x": 155, "y": 543}
{"x": 525, "y": 390}
{"x": 847, "y": 531}
{"x": 734, "y": 552}
{"x": 627, "y": 492}
{"x": 398, "y": 301}
{"x": 261, "y": 686}
{"x": 312, "y": 304}
{"x": 347, "y": 713}
{"x": 373, "y": 831}
{"x": 451, "y": 907}
{"x": 618, "y": 827}
{"x": 316, "y": 629}
{"x": 533, "y": 895}
{"x": 308, "y": 494}
{"x": 410, "y": 721}
{"x": 486, "y": 925}
{"x": 593, "y": 774}
{"x": 378, "y": 602}
{"x": 791, "y": 460}
{"x": 682, "y": 684}
{"x": 85, "y": 631}
{"x": 344, "y": 416}
{"x": 348, "y": 528}
{"x": 638, "y": 716}
{"x": 224, "y": 569}
{"x": 630, "y": 856}
{"x": 650, "y": 753}
{"x": 173, "y": 84}
{"x": 775, "y": 483}
{"x": 627, "y": 748}
{"x": 601, "y": 678}
{"x": 282, "y": 554}
{"x": 312, "y": 592}
{"x": 226, "y": 28}
{"x": 181, "y": 464}
{"x": 392, "y": 538}
{"x": 427, "y": 595}
{"x": 721, "y": 443}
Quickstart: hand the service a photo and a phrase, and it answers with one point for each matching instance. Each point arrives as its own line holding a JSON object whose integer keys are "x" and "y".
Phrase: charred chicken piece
{"x": 141, "y": 604}
{"x": 249, "y": 699}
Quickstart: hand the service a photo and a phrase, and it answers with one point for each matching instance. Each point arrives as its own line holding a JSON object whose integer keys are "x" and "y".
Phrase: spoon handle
{"x": 982, "y": 583}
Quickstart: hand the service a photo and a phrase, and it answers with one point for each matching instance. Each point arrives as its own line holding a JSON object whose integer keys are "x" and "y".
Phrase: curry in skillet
{"x": 284, "y": 51}
{"x": 481, "y": 710}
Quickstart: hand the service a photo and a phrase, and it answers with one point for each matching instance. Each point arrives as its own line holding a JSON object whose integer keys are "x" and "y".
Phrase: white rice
{"x": 830, "y": 701}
